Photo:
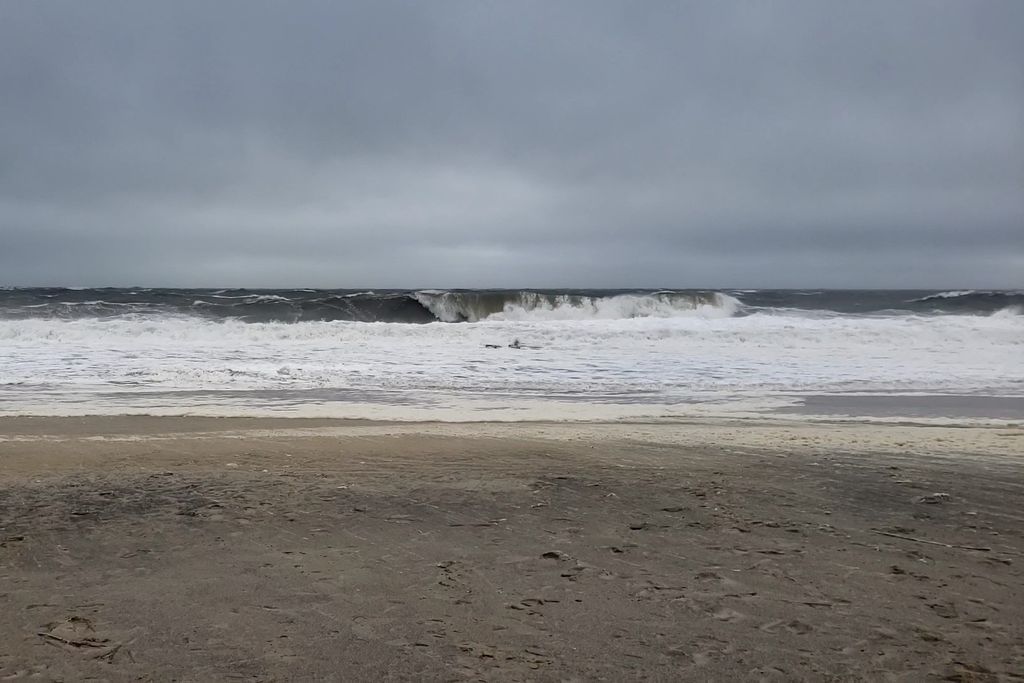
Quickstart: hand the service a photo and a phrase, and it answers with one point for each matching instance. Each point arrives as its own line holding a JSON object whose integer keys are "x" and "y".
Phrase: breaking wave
{"x": 449, "y": 306}
{"x": 970, "y": 300}
{"x": 952, "y": 294}
{"x": 462, "y": 306}
{"x": 423, "y": 306}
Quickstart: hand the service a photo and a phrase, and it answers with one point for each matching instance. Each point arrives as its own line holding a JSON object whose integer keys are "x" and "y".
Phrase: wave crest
{"x": 1006, "y": 302}
{"x": 952, "y": 294}
{"x": 448, "y": 306}
{"x": 1009, "y": 311}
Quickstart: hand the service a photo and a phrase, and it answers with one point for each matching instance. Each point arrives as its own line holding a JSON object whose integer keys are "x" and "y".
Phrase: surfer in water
{"x": 514, "y": 345}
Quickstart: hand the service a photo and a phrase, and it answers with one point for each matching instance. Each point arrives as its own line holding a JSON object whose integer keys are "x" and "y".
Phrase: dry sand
{"x": 203, "y": 550}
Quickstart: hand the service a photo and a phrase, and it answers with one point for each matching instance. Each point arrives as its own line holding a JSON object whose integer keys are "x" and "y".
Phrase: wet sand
{"x": 927, "y": 406}
{"x": 201, "y": 549}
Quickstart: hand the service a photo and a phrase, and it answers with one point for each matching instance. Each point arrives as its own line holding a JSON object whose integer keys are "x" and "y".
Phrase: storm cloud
{"x": 544, "y": 144}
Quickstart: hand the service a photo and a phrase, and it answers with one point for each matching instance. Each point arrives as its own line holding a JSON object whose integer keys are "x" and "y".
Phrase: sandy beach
{"x": 193, "y": 549}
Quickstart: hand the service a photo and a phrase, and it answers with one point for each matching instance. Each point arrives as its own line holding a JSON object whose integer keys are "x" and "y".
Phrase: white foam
{"x": 642, "y": 365}
{"x": 266, "y": 298}
{"x": 952, "y": 294}
{"x": 526, "y": 306}
{"x": 624, "y": 306}
{"x": 959, "y": 293}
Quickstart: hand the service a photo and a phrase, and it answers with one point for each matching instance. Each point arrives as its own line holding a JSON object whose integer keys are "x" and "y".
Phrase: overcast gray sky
{"x": 484, "y": 143}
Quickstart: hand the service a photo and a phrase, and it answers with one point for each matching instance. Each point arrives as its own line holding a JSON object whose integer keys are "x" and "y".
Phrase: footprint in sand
{"x": 794, "y": 626}
{"x": 451, "y": 575}
{"x": 79, "y": 635}
{"x": 729, "y": 615}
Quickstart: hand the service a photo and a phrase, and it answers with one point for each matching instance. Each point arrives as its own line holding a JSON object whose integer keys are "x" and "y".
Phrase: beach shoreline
{"x": 283, "y": 549}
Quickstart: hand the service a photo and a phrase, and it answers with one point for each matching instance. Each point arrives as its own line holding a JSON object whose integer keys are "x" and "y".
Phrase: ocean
{"x": 509, "y": 354}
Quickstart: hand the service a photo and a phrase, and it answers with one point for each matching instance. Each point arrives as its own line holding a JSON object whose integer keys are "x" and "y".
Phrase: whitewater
{"x": 520, "y": 356}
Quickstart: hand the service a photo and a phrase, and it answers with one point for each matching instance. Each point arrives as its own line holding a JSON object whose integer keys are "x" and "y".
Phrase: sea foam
{"x": 125, "y": 364}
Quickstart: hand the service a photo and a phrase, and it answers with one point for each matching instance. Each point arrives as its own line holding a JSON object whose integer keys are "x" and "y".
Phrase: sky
{"x": 478, "y": 143}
